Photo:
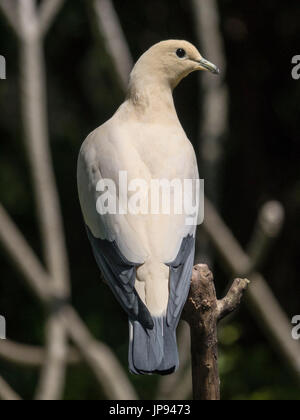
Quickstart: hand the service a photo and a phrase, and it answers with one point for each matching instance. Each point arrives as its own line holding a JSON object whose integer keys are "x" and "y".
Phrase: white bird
{"x": 146, "y": 259}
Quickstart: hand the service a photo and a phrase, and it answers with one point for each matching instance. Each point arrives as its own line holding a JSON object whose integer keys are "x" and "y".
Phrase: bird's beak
{"x": 207, "y": 65}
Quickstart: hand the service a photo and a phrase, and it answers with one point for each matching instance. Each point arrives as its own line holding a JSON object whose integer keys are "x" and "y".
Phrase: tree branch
{"x": 111, "y": 30}
{"x": 6, "y": 392}
{"x": 203, "y": 311}
{"x": 99, "y": 358}
{"x": 232, "y": 300}
{"x": 8, "y": 8}
{"x": 268, "y": 226}
{"x": 47, "y": 13}
{"x": 213, "y": 97}
{"x": 97, "y": 355}
{"x": 260, "y": 298}
{"x": 24, "y": 258}
{"x": 52, "y": 379}
{"x": 31, "y": 356}
{"x": 34, "y": 115}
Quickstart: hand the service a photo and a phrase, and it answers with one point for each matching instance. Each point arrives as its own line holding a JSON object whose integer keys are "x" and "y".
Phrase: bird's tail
{"x": 153, "y": 351}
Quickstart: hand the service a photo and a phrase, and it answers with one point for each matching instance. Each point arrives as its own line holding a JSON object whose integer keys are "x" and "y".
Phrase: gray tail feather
{"x": 153, "y": 351}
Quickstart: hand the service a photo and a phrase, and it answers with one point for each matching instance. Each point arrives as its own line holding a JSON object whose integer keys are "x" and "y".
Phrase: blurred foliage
{"x": 261, "y": 162}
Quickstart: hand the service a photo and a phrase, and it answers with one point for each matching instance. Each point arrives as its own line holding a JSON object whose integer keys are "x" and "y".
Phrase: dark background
{"x": 261, "y": 162}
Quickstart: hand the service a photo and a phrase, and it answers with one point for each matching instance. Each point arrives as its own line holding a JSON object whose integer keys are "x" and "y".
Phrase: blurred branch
{"x": 25, "y": 355}
{"x": 47, "y": 13}
{"x": 97, "y": 355}
{"x": 262, "y": 303}
{"x": 215, "y": 125}
{"x": 34, "y": 115}
{"x": 203, "y": 311}
{"x": 110, "y": 29}
{"x": 52, "y": 378}
{"x": 26, "y": 262}
{"x": 267, "y": 229}
{"x": 6, "y": 392}
{"x": 99, "y": 358}
{"x": 214, "y": 96}
{"x": 8, "y": 8}
{"x": 214, "y": 107}
{"x": 24, "y": 258}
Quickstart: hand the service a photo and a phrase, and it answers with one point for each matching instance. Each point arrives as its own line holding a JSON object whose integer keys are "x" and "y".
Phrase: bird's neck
{"x": 152, "y": 98}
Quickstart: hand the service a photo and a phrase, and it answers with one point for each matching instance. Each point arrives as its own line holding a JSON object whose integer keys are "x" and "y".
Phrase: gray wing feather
{"x": 120, "y": 274}
{"x": 180, "y": 279}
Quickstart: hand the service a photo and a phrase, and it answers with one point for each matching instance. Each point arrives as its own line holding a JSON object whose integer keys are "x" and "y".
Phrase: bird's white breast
{"x": 145, "y": 151}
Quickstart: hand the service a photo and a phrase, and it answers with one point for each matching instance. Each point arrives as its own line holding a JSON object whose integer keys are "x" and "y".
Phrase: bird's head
{"x": 171, "y": 61}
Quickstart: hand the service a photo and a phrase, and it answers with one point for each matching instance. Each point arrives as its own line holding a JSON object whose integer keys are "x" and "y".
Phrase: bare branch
{"x": 202, "y": 311}
{"x": 233, "y": 298}
{"x": 97, "y": 355}
{"x": 179, "y": 386}
{"x": 21, "y": 354}
{"x": 263, "y": 304}
{"x": 116, "y": 44}
{"x": 52, "y": 379}
{"x": 268, "y": 227}
{"x": 28, "y": 264}
{"x": 8, "y": 8}
{"x": 29, "y": 29}
{"x": 6, "y": 392}
{"x": 24, "y": 258}
{"x": 33, "y": 356}
{"x": 47, "y": 13}
{"x": 214, "y": 96}
{"x": 34, "y": 115}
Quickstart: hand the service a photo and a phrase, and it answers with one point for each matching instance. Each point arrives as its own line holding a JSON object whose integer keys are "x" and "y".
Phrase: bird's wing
{"x": 180, "y": 277}
{"x": 113, "y": 241}
{"x": 120, "y": 275}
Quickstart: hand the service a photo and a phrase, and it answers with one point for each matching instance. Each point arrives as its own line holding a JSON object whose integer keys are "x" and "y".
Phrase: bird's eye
{"x": 180, "y": 53}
